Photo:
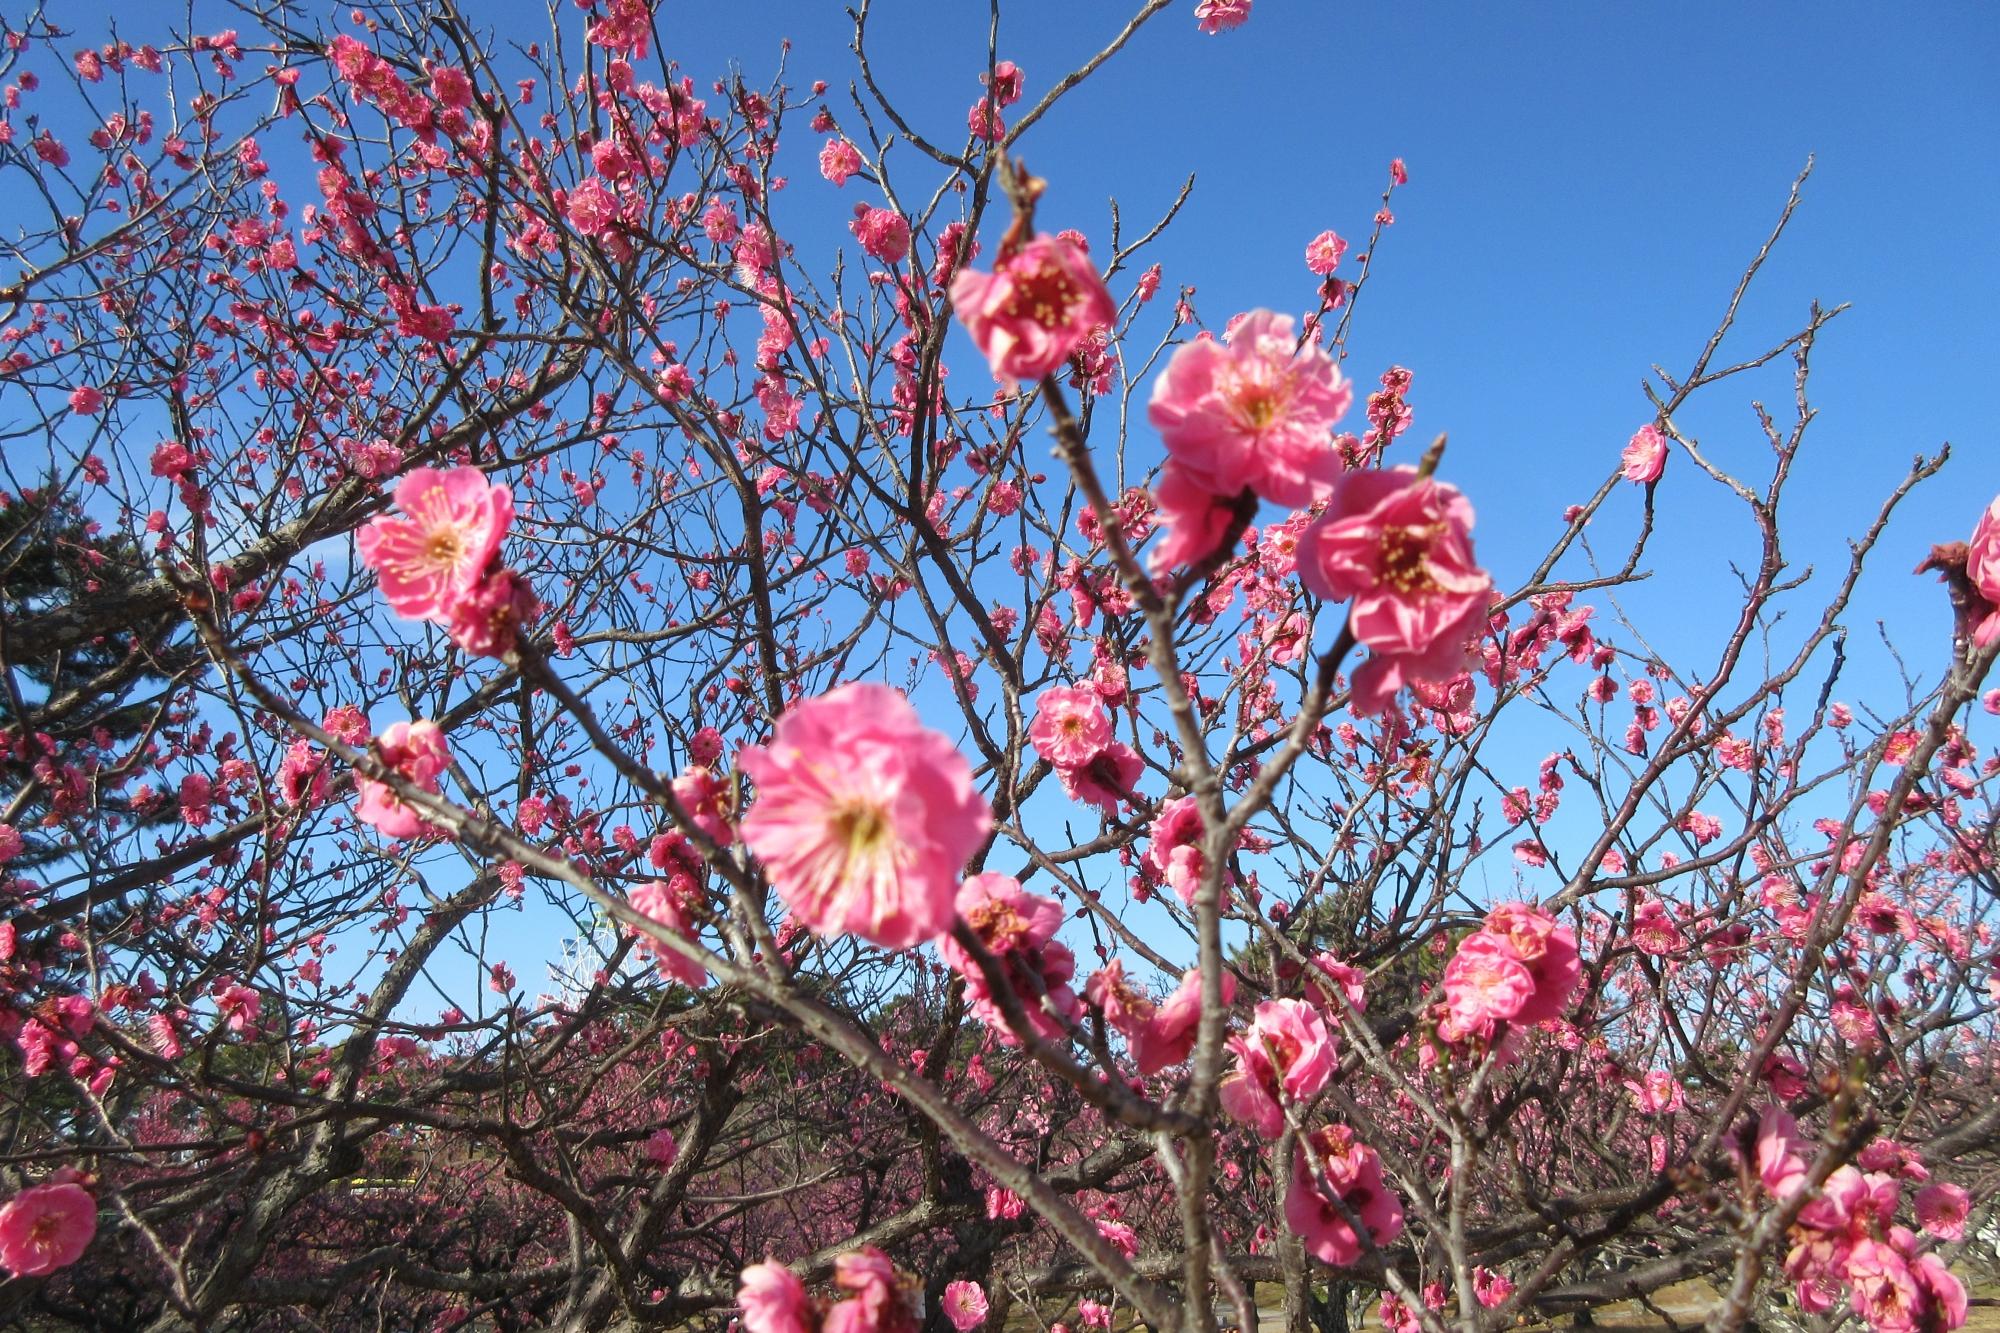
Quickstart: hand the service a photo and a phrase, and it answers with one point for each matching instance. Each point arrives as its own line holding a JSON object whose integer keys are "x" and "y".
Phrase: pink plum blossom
{"x": 660, "y": 1148}
{"x": 773, "y": 1300}
{"x": 1884, "y": 1290}
{"x": 1215, "y": 16}
{"x": 1194, "y": 518}
{"x": 1982, "y": 566}
{"x": 1169, "y": 1037}
{"x": 1484, "y": 985}
{"x": 671, "y": 903}
{"x": 1174, "y": 851}
{"x": 46, "y": 1227}
{"x": 1041, "y": 300}
{"x": 964, "y": 1305}
{"x": 1941, "y": 1294}
{"x": 1161, "y": 1035}
{"x": 881, "y": 1301}
{"x": 1645, "y": 455}
{"x": 1105, "y": 779}
{"x": 303, "y": 777}
{"x": 1492, "y": 1289}
{"x": 1328, "y": 975}
{"x": 453, "y": 526}
{"x": 1942, "y": 1209}
{"x": 414, "y": 752}
{"x": 838, "y": 160}
{"x": 1519, "y": 967}
{"x": 710, "y": 800}
{"x": 1658, "y": 1093}
{"x": 1323, "y": 253}
{"x": 487, "y": 618}
{"x": 1070, "y": 726}
{"x": 1398, "y": 547}
{"x": 1018, "y": 929}
{"x": 1255, "y": 410}
{"x": 1285, "y": 1057}
{"x": 1006, "y": 82}
{"x": 883, "y": 232}
{"x": 1333, "y": 1164}
{"x": 863, "y": 816}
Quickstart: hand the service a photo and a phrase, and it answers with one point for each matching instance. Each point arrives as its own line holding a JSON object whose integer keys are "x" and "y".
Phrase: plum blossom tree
{"x": 532, "y": 530}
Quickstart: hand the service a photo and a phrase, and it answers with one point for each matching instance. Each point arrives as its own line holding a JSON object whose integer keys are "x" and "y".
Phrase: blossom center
{"x": 1257, "y": 402}
{"x": 442, "y": 548}
{"x": 1404, "y": 557}
{"x": 997, "y": 924}
{"x": 1285, "y": 1049}
{"x": 1045, "y": 294}
{"x": 860, "y": 829}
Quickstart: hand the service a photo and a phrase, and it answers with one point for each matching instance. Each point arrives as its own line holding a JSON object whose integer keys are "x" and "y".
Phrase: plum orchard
{"x": 454, "y": 505}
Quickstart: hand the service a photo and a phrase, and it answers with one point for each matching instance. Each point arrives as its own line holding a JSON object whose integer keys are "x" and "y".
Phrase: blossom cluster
{"x": 1846, "y": 1235}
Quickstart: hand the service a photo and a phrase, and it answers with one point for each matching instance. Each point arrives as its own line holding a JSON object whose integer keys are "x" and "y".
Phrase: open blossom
{"x": 454, "y": 523}
{"x": 660, "y": 1148}
{"x": 883, "y": 232}
{"x": 672, "y": 904}
{"x": 414, "y": 752}
{"x": 1490, "y": 1287}
{"x": 239, "y": 1006}
{"x": 1285, "y": 1056}
{"x": 1398, "y": 547}
{"x": 1105, "y": 779}
{"x": 1340, "y": 1167}
{"x": 1215, "y": 16}
{"x": 1982, "y": 566}
{"x": 303, "y": 777}
{"x": 881, "y": 1301}
{"x": 487, "y": 619}
{"x": 1942, "y": 1209}
{"x": 1006, "y": 82}
{"x": 863, "y": 816}
{"x": 1018, "y": 928}
{"x": 773, "y": 1300}
{"x": 592, "y": 207}
{"x": 1896, "y": 1295}
{"x": 1519, "y": 967}
{"x": 1070, "y": 726}
{"x": 838, "y": 160}
{"x": 1254, "y": 410}
{"x": 1645, "y": 455}
{"x": 1040, "y": 301}
{"x": 1658, "y": 1093}
{"x": 1174, "y": 850}
{"x": 1323, "y": 253}
{"x": 1194, "y": 518}
{"x": 46, "y": 1227}
{"x": 1159, "y": 1036}
{"x": 1326, "y": 975}
{"x": 710, "y": 800}
{"x": 964, "y": 1305}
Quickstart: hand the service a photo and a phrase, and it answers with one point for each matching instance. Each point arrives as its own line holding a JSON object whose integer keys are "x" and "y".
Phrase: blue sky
{"x": 1587, "y": 183}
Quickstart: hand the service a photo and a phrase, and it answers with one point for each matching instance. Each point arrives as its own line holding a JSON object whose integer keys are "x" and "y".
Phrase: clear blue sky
{"x": 1587, "y": 182}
